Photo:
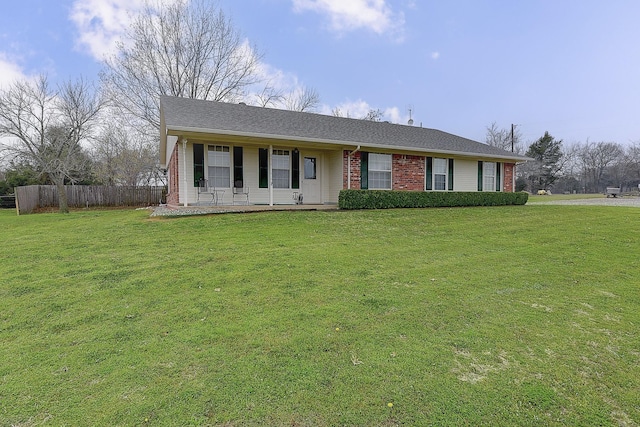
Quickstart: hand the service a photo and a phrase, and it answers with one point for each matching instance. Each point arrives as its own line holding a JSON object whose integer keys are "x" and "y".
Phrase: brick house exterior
{"x": 278, "y": 156}
{"x": 408, "y": 172}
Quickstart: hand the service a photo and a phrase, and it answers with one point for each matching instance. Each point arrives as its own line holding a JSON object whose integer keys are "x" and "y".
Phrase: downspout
{"x": 184, "y": 163}
{"x": 349, "y": 167}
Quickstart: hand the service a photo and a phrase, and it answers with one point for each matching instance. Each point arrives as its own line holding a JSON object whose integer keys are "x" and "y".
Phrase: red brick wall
{"x": 408, "y": 172}
{"x": 355, "y": 170}
{"x": 507, "y": 180}
{"x": 173, "y": 196}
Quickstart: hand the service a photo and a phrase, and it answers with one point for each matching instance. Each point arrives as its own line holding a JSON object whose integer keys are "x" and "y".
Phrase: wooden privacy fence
{"x": 32, "y": 197}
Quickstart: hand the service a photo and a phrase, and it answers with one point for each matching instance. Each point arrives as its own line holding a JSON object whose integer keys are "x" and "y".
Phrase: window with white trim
{"x": 489, "y": 176}
{"x": 280, "y": 168}
{"x": 439, "y": 174}
{"x": 219, "y": 163}
{"x": 379, "y": 171}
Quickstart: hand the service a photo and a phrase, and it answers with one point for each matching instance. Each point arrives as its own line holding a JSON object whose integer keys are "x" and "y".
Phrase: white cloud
{"x": 435, "y": 55}
{"x": 10, "y": 71}
{"x": 375, "y": 15}
{"x": 360, "y": 108}
{"x": 353, "y": 109}
{"x": 101, "y": 23}
{"x": 393, "y": 115}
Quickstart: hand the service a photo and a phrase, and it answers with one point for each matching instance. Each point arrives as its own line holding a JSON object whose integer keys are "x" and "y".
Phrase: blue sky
{"x": 565, "y": 66}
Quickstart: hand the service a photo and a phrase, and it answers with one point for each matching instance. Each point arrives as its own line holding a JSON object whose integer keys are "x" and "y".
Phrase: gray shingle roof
{"x": 190, "y": 115}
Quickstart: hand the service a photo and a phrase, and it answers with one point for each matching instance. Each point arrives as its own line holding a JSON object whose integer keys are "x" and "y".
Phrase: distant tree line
{"x": 108, "y": 133}
{"x": 588, "y": 167}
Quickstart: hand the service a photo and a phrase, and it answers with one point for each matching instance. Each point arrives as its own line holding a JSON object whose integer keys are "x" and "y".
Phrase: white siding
{"x": 465, "y": 175}
{"x": 332, "y": 178}
{"x": 171, "y": 143}
{"x": 330, "y": 173}
{"x": 189, "y": 193}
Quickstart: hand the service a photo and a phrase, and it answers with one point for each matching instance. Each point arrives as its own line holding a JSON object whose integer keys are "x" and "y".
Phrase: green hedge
{"x": 383, "y": 199}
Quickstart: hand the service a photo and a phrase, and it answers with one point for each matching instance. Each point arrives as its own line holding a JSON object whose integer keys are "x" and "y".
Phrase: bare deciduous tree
{"x": 303, "y": 99}
{"x": 47, "y": 127}
{"x": 502, "y": 138}
{"x": 632, "y": 159}
{"x": 269, "y": 96}
{"x": 374, "y": 115}
{"x": 595, "y": 158}
{"x": 188, "y": 49}
{"x": 125, "y": 157}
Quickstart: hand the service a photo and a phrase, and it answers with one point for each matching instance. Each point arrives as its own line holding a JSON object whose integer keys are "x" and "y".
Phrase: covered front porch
{"x": 237, "y": 172}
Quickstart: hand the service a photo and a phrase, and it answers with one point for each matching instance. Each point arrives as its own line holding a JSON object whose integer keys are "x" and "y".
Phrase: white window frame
{"x": 280, "y": 162}
{"x": 380, "y": 166}
{"x": 219, "y": 166}
{"x": 489, "y": 178}
{"x": 444, "y": 173}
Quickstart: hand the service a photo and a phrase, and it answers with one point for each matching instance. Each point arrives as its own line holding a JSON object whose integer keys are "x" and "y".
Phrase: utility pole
{"x": 512, "y": 136}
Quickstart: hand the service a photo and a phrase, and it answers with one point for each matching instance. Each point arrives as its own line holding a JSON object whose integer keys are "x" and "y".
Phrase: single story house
{"x": 223, "y": 153}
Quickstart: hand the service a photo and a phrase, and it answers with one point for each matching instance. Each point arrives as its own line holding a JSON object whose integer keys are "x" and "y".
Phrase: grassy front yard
{"x": 480, "y": 316}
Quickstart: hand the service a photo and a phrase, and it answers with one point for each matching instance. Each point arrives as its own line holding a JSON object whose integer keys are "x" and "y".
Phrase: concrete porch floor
{"x": 222, "y": 209}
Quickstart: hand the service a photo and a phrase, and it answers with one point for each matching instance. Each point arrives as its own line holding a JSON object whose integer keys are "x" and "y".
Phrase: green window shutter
{"x": 429, "y": 174}
{"x": 263, "y": 168}
{"x": 364, "y": 170}
{"x": 238, "y": 180}
{"x": 198, "y": 164}
{"x": 295, "y": 169}
{"x": 479, "y": 176}
{"x": 498, "y": 176}
{"x": 450, "y": 174}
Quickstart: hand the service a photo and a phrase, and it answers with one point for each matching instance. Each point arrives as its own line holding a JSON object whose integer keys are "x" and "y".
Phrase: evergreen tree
{"x": 544, "y": 171}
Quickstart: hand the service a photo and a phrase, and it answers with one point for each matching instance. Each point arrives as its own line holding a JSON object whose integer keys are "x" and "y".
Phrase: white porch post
{"x": 184, "y": 174}
{"x": 270, "y": 176}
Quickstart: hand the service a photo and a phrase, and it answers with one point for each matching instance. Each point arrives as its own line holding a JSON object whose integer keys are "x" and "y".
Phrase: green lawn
{"x": 499, "y": 316}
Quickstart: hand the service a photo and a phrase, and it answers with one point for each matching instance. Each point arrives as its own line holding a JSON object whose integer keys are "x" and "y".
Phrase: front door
{"x": 311, "y": 183}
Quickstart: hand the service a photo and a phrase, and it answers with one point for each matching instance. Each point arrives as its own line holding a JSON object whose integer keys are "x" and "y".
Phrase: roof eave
{"x": 181, "y": 130}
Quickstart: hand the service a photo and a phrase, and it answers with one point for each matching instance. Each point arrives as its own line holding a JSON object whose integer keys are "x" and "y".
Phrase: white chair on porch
{"x": 210, "y": 195}
{"x": 240, "y": 193}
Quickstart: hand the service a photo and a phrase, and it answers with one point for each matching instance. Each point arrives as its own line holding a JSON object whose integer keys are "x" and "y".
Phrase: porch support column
{"x": 270, "y": 176}
{"x": 184, "y": 163}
